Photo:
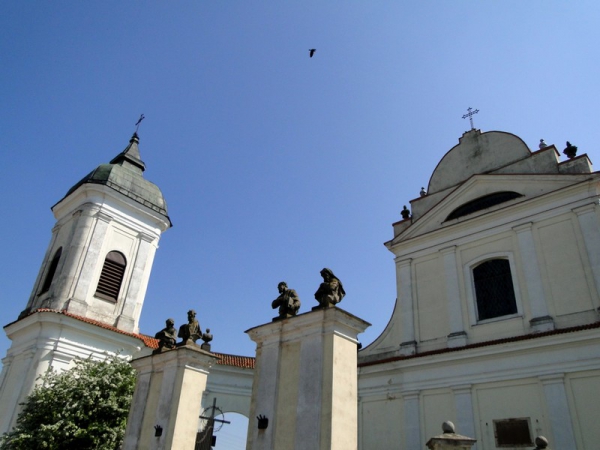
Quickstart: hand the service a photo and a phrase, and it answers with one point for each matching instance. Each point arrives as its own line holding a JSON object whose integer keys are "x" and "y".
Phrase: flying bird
{"x": 312, "y": 52}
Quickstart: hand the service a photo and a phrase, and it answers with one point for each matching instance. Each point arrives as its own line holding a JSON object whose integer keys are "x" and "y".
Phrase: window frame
{"x": 471, "y": 292}
{"x": 527, "y": 421}
{"x": 123, "y": 266}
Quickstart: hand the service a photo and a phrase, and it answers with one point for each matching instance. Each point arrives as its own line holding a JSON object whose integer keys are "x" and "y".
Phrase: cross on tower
{"x": 137, "y": 124}
{"x": 470, "y": 116}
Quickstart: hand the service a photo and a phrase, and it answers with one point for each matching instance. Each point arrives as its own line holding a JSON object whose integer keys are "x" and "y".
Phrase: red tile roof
{"x": 484, "y": 344}
{"x": 244, "y": 362}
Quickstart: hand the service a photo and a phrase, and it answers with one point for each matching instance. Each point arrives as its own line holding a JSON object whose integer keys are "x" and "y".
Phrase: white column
{"x": 404, "y": 289}
{"x": 558, "y": 411}
{"x": 465, "y": 420}
{"x": 412, "y": 420}
{"x": 457, "y": 336}
{"x": 540, "y": 320}
{"x": 588, "y": 222}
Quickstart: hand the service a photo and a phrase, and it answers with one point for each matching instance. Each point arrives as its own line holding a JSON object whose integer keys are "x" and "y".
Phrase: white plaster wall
{"x": 375, "y": 433}
{"x": 231, "y": 386}
{"x": 44, "y": 340}
{"x": 510, "y": 380}
{"x": 583, "y": 389}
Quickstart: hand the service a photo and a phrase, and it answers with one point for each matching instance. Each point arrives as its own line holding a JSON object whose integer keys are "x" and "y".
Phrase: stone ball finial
{"x": 541, "y": 442}
{"x": 448, "y": 427}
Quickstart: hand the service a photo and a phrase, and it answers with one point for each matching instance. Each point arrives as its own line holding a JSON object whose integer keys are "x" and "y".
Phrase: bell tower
{"x": 103, "y": 244}
{"x": 88, "y": 295}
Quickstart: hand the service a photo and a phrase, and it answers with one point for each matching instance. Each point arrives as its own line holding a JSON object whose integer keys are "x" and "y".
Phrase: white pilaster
{"x": 465, "y": 422}
{"x": 540, "y": 320}
{"x": 457, "y": 336}
{"x": 588, "y": 222}
{"x": 92, "y": 259}
{"x": 558, "y": 411}
{"x": 404, "y": 289}
{"x": 135, "y": 294}
{"x": 74, "y": 254}
{"x": 412, "y": 420}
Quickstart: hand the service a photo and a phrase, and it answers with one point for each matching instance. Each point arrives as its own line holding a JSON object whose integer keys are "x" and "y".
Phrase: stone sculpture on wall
{"x": 331, "y": 291}
{"x": 166, "y": 337}
{"x": 190, "y": 332}
{"x": 288, "y": 302}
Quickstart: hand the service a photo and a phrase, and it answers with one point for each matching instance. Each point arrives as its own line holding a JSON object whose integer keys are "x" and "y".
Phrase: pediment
{"x": 523, "y": 188}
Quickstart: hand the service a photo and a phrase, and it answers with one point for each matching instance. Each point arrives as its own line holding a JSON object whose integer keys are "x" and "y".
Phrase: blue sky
{"x": 274, "y": 165}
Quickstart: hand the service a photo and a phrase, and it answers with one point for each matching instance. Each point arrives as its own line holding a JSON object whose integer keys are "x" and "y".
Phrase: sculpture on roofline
{"x": 570, "y": 150}
{"x": 166, "y": 337}
{"x": 330, "y": 292}
{"x": 288, "y": 302}
{"x": 190, "y": 332}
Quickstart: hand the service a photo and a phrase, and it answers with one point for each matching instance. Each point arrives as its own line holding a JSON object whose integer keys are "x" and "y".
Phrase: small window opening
{"x": 51, "y": 272}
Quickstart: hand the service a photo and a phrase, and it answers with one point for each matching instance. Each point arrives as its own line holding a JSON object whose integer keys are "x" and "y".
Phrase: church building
{"x": 496, "y": 320}
{"x": 496, "y": 325}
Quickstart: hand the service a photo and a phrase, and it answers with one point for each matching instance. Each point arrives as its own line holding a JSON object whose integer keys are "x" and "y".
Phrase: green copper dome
{"x": 125, "y": 175}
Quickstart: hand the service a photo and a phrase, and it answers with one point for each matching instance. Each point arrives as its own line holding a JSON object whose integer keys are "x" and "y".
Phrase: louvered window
{"x": 111, "y": 277}
{"x": 494, "y": 289}
{"x": 51, "y": 272}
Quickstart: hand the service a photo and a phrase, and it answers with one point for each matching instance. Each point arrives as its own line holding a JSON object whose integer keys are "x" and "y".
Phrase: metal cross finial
{"x": 137, "y": 124}
{"x": 470, "y": 116}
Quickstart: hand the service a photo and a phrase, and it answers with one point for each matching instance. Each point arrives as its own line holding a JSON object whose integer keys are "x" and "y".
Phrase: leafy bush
{"x": 85, "y": 407}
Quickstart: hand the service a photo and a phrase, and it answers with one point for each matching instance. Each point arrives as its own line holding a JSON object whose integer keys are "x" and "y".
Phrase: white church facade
{"x": 496, "y": 321}
{"x": 496, "y": 325}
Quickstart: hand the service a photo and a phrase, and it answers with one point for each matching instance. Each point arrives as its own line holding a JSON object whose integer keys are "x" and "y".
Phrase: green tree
{"x": 85, "y": 407}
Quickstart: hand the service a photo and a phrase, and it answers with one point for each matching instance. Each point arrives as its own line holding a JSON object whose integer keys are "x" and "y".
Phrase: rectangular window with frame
{"x": 512, "y": 433}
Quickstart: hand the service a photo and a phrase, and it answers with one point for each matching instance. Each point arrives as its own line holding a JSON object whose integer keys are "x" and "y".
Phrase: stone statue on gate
{"x": 166, "y": 337}
{"x": 288, "y": 302}
{"x": 190, "y": 332}
{"x": 330, "y": 292}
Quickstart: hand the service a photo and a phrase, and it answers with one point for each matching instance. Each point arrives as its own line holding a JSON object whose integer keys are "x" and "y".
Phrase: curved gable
{"x": 477, "y": 153}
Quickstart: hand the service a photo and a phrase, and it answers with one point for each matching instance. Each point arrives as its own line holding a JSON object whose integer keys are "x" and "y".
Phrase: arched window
{"x": 111, "y": 276}
{"x": 494, "y": 289}
{"x": 484, "y": 202}
{"x": 51, "y": 272}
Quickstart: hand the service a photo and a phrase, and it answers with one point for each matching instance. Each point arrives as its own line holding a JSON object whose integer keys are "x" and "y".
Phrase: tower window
{"x": 111, "y": 276}
{"x": 51, "y": 272}
{"x": 494, "y": 289}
